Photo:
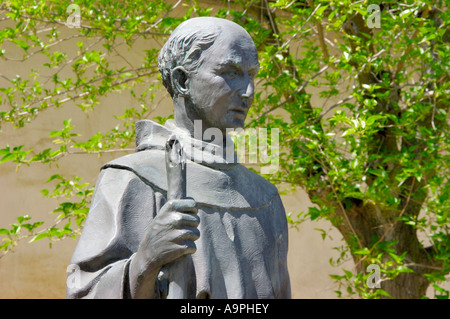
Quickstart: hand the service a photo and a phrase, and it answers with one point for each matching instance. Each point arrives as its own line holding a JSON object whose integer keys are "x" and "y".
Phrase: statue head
{"x": 208, "y": 66}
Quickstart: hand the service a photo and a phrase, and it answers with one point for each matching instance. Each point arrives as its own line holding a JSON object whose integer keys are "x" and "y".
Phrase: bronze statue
{"x": 180, "y": 218}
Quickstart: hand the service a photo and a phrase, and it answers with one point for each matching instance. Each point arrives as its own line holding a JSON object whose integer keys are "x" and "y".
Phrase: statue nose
{"x": 247, "y": 91}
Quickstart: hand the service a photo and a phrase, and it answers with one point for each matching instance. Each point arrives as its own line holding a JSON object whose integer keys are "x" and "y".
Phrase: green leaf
{"x": 22, "y": 219}
{"x": 8, "y": 157}
{"x": 348, "y": 273}
{"x": 314, "y": 213}
{"x": 5, "y": 151}
{"x": 404, "y": 269}
{"x": 320, "y": 10}
{"x": 55, "y": 176}
{"x": 382, "y": 292}
{"x": 39, "y": 237}
{"x": 55, "y": 133}
{"x": 406, "y": 13}
{"x": 364, "y": 251}
{"x": 21, "y": 44}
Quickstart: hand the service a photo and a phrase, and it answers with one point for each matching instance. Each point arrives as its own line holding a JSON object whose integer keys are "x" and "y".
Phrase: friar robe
{"x": 242, "y": 249}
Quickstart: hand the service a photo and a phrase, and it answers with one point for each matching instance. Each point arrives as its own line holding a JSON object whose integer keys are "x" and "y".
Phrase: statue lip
{"x": 239, "y": 110}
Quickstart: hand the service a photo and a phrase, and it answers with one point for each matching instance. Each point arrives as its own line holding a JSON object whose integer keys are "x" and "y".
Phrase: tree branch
{"x": 321, "y": 36}
{"x": 72, "y": 98}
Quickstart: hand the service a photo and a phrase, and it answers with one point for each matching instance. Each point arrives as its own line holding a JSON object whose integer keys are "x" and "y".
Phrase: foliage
{"x": 372, "y": 153}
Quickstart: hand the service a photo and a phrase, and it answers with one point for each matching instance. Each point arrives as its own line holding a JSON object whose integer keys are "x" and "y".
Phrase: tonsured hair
{"x": 184, "y": 48}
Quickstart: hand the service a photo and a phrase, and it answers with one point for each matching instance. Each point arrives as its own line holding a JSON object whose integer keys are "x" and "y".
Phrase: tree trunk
{"x": 369, "y": 223}
{"x": 406, "y": 286}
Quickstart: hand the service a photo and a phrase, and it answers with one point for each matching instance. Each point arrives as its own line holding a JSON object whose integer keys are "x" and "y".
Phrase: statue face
{"x": 221, "y": 90}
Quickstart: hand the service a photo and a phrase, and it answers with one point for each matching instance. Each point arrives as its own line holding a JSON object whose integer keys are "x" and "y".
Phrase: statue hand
{"x": 172, "y": 232}
{"x": 171, "y": 235}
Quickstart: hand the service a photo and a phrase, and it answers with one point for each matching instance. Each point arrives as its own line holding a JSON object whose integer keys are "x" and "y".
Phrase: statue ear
{"x": 179, "y": 81}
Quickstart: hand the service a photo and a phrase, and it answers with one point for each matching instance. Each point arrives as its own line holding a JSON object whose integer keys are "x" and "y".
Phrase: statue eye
{"x": 229, "y": 73}
{"x": 232, "y": 74}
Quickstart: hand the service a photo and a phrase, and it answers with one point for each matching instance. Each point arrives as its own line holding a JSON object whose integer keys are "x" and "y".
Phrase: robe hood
{"x": 150, "y": 135}
{"x": 212, "y": 178}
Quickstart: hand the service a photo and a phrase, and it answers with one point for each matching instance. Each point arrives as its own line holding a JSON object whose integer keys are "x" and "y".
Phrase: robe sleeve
{"x": 282, "y": 243}
{"x": 121, "y": 210}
